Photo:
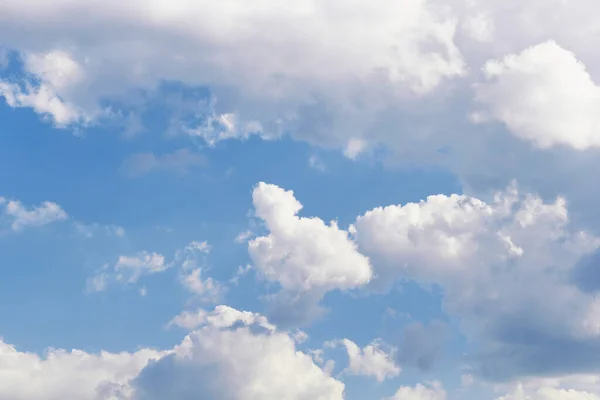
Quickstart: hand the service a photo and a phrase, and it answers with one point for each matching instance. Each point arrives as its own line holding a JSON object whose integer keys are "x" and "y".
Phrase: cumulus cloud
{"x": 231, "y": 355}
{"x": 544, "y": 95}
{"x": 402, "y": 85}
{"x": 486, "y": 256}
{"x": 372, "y": 360}
{"x": 261, "y": 85}
{"x": 21, "y": 216}
{"x": 489, "y": 256}
{"x": 236, "y": 355}
{"x": 71, "y": 374}
{"x": 362, "y": 100}
{"x": 305, "y": 256}
{"x": 180, "y": 161}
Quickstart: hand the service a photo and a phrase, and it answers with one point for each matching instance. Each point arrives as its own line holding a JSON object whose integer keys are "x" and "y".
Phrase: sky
{"x": 307, "y": 200}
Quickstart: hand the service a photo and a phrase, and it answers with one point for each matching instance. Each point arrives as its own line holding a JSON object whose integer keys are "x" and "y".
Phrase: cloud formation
{"x": 305, "y": 256}
{"x": 20, "y": 216}
{"x": 490, "y": 259}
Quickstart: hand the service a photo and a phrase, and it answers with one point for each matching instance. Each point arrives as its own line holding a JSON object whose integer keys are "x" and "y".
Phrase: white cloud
{"x": 192, "y": 261}
{"x": 261, "y": 84}
{"x": 62, "y": 374}
{"x": 224, "y": 127}
{"x": 180, "y": 161}
{"x": 57, "y": 73}
{"x": 432, "y": 391}
{"x": 544, "y": 95}
{"x": 21, "y": 217}
{"x": 231, "y": 355}
{"x": 364, "y": 93}
{"x": 304, "y": 255}
{"x": 371, "y": 360}
{"x": 189, "y": 319}
{"x": 236, "y": 355}
{"x": 127, "y": 270}
{"x": 484, "y": 256}
{"x": 222, "y": 317}
{"x": 206, "y": 290}
{"x": 243, "y": 237}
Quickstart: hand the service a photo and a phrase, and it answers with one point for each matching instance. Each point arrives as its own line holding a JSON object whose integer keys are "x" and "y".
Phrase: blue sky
{"x": 193, "y": 208}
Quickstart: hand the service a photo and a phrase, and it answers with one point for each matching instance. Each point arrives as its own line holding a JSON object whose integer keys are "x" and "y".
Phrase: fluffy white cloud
{"x": 543, "y": 95}
{"x": 21, "y": 216}
{"x": 432, "y": 391}
{"x": 303, "y": 253}
{"x": 236, "y": 355}
{"x": 485, "y": 255}
{"x": 232, "y": 355}
{"x": 62, "y": 374}
{"x": 265, "y": 84}
{"x": 305, "y": 256}
{"x": 372, "y": 360}
{"x": 231, "y": 35}
{"x": 362, "y": 100}
{"x": 57, "y": 73}
{"x": 222, "y": 317}
{"x": 277, "y": 80}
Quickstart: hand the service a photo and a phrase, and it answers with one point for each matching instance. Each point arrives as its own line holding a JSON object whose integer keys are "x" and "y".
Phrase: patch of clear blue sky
{"x": 42, "y": 302}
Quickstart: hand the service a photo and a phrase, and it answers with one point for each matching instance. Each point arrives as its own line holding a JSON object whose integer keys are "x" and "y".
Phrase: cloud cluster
{"x": 72, "y": 374}
{"x": 489, "y": 258}
{"x": 190, "y": 261}
{"x": 408, "y": 85}
{"x": 399, "y": 74}
{"x": 231, "y": 355}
